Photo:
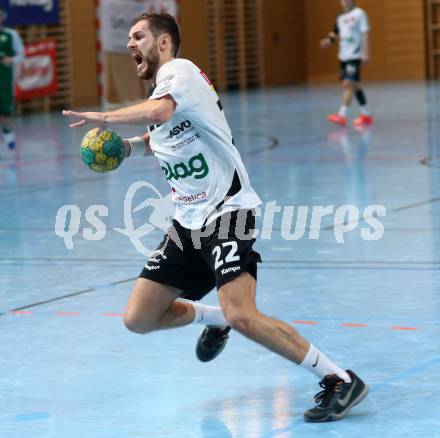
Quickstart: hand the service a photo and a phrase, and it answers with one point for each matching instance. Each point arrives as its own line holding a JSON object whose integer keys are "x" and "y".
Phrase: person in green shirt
{"x": 11, "y": 55}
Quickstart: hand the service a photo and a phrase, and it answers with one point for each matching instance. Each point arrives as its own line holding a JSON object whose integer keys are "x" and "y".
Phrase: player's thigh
{"x": 228, "y": 251}
{"x": 353, "y": 72}
{"x": 349, "y": 72}
{"x": 148, "y": 303}
{"x": 178, "y": 264}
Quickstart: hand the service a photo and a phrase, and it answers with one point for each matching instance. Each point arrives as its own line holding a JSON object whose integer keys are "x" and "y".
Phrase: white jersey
{"x": 351, "y": 27}
{"x": 196, "y": 150}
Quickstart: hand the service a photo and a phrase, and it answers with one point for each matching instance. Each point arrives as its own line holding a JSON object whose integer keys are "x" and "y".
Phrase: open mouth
{"x": 138, "y": 59}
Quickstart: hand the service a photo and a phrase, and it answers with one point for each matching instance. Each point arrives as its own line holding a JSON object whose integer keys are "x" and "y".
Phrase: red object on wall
{"x": 37, "y": 76}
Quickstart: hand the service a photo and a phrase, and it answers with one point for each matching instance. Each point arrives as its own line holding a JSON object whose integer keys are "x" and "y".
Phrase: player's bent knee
{"x": 138, "y": 325}
{"x": 148, "y": 303}
{"x": 132, "y": 325}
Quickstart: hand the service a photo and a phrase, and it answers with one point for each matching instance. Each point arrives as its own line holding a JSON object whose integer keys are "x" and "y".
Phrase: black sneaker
{"x": 337, "y": 398}
{"x": 211, "y": 342}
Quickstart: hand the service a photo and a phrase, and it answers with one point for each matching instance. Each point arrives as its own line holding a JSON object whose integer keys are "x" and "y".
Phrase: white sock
{"x": 343, "y": 111}
{"x": 208, "y": 315}
{"x": 365, "y": 110}
{"x": 320, "y": 365}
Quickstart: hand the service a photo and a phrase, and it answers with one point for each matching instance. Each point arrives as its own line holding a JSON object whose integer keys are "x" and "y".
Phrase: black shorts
{"x": 350, "y": 70}
{"x": 196, "y": 261}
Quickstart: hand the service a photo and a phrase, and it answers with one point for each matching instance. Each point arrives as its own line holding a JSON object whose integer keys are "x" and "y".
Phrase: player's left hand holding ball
{"x": 102, "y": 151}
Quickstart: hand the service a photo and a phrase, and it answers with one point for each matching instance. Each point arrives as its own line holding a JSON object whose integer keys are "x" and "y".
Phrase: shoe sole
{"x": 337, "y": 123}
{"x": 335, "y": 417}
{"x": 363, "y": 123}
{"x": 199, "y": 354}
{"x": 204, "y": 360}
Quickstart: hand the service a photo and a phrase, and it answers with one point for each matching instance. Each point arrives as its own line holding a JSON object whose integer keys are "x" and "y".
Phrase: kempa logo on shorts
{"x": 228, "y": 270}
{"x": 196, "y": 166}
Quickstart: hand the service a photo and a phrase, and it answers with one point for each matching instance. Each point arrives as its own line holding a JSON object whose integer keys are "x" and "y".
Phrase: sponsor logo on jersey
{"x": 185, "y": 142}
{"x": 181, "y": 128}
{"x": 196, "y": 166}
{"x": 188, "y": 199}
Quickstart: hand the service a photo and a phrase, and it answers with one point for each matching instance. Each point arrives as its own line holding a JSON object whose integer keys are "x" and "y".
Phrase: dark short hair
{"x": 162, "y": 23}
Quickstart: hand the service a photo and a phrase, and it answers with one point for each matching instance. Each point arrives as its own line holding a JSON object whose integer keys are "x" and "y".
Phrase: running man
{"x": 353, "y": 30}
{"x": 210, "y": 243}
{"x": 11, "y": 55}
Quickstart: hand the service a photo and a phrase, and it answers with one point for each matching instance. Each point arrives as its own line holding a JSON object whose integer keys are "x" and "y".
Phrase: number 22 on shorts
{"x": 231, "y": 256}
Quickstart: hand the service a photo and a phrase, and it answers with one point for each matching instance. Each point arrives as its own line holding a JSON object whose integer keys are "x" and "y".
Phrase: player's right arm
{"x": 149, "y": 112}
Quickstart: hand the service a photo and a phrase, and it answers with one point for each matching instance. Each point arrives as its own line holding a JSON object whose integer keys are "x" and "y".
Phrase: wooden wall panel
{"x": 284, "y": 42}
{"x": 82, "y": 52}
{"x": 194, "y": 27}
{"x": 398, "y": 39}
{"x": 405, "y": 39}
{"x": 235, "y": 55}
{"x": 433, "y": 38}
{"x": 377, "y": 68}
{"x": 320, "y": 17}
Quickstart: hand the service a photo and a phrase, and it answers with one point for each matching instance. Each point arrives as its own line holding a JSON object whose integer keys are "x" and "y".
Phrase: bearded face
{"x": 144, "y": 50}
{"x": 152, "y": 61}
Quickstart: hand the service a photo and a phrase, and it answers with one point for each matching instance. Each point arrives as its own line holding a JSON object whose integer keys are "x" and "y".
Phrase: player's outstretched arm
{"x": 150, "y": 112}
{"x": 93, "y": 118}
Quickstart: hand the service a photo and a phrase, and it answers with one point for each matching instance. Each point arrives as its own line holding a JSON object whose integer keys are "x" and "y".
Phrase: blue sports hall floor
{"x": 70, "y": 369}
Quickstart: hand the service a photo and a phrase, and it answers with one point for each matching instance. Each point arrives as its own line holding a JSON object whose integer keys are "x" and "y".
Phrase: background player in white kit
{"x": 210, "y": 242}
{"x": 352, "y": 28}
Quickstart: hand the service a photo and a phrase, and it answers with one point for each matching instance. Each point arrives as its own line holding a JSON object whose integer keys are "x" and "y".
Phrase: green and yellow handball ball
{"x": 102, "y": 151}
